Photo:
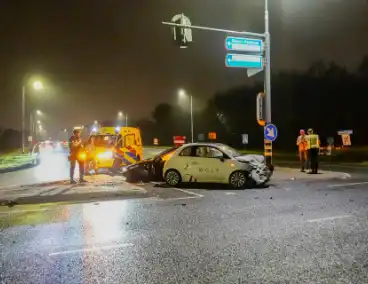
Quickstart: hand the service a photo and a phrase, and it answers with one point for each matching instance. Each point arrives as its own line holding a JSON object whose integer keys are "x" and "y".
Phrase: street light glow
{"x": 182, "y": 93}
{"x": 120, "y": 113}
{"x": 38, "y": 121}
{"x": 38, "y": 112}
{"x": 38, "y": 85}
{"x": 96, "y": 122}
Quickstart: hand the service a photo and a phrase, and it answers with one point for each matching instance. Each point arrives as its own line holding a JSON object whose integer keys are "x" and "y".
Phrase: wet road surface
{"x": 292, "y": 232}
{"x": 53, "y": 167}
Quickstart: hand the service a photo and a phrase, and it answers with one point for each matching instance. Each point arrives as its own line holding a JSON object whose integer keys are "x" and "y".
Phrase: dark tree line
{"x": 326, "y": 98}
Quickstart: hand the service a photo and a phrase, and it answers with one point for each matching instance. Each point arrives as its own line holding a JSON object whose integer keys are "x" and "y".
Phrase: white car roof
{"x": 202, "y": 144}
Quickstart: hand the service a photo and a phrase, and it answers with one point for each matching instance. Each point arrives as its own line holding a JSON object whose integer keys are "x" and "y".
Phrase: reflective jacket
{"x": 313, "y": 141}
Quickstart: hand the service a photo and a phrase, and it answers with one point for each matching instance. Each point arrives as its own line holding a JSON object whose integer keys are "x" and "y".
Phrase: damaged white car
{"x": 215, "y": 163}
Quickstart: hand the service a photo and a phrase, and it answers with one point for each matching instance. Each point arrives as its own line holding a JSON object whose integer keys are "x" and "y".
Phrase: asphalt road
{"x": 53, "y": 167}
{"x": 292, "y": 232}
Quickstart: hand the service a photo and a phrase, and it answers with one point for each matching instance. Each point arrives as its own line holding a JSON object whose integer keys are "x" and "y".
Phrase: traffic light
{"x": 182, "y": 36}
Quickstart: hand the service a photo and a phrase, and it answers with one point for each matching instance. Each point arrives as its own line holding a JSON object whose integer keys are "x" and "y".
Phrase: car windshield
{"x": 229, "y": 150}
{"x": 104, "y": 140}
{"x": 172, "y": 149}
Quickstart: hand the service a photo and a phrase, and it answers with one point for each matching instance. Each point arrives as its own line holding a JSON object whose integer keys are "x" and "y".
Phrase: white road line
{"x": 188, "y": 192}
{"x": 177, "y": 198}
{"x": 230, "y": 193}
{"x": 328, "y": 218}
{"x": 348, "y": 184}
{"x": 91, "y": 249}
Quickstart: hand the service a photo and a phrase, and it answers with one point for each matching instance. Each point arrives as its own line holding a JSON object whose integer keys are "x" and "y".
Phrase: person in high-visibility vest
{"x": 313, "y": 150}
{"x": 302, "y": 144}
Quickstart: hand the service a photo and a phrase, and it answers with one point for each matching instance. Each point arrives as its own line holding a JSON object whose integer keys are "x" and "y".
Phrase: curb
{"x": 295, "y": 172}
{"x": 17, "y": 168}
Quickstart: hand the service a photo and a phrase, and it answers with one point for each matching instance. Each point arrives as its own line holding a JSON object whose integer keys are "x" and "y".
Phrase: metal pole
{"x": 31, "y": 126}
{"x": 267, "y": 73}
{"x": 23, "y": 116}
{"x": 191, "y": 118}
{"x": 256, "y": 35}
{"x": 126, "y": 119}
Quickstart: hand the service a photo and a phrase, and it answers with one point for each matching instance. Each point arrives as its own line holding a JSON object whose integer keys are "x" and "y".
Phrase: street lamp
{"x": 182, "y": 93}
{"x": 37, "y": 85}
{"x": 121, "y": 117}
{"x": 31, "y": 121}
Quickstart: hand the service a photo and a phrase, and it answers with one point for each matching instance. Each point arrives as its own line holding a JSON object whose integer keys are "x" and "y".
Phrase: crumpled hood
{"x": 251, "y": 158}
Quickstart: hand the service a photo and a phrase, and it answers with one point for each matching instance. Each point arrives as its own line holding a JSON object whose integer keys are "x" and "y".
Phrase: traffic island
{"x": 15, "y": 162}
{"x": 287, "y": 174}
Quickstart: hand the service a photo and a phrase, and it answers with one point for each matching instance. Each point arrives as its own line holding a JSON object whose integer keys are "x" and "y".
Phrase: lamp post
{"x": 37, "y": 85}
{"x": 182, "y": 93}
{"x": 122, "y": 118}
{"x": 32, "y": 121}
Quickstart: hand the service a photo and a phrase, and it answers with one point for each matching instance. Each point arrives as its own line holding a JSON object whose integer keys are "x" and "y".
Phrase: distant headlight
{"x": 105, "y": 155}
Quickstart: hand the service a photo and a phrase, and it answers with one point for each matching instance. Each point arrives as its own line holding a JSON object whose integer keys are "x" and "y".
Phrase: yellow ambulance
{"x": 113, "y": 147}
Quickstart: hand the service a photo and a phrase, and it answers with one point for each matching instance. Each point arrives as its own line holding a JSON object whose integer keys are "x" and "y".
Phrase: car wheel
{"x": 138, "y": 158}
{"x": 237, "y": 179}
{"x": 172, "y": 177}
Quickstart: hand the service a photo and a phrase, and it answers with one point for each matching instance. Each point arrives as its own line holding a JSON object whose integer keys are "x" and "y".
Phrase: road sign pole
{"x": 267, "y": 76}
{"x": 191, "y": 118}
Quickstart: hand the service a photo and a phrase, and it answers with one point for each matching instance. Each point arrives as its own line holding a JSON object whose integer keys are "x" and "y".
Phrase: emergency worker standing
{"x": 75, "y": 146}
{"x": 302, "y": 144}
{"x": 313, "y": 150}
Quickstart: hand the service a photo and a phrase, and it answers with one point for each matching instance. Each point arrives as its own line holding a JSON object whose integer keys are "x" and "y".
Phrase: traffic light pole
{"x": 267, "y": 144}
{"x": 267, "y": 65}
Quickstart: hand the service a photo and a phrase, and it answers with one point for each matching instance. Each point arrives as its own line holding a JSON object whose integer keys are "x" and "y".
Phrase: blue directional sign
{"x": 270, "y": 132}
{"x": 244, "y": 61}
{"x": 244, "y": 44}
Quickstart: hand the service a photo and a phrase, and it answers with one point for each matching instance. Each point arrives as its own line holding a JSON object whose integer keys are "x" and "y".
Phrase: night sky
{"x": 101, "y": 56}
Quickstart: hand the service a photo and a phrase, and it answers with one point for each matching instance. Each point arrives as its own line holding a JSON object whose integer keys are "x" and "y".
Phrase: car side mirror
{"x": 222, "y": 159}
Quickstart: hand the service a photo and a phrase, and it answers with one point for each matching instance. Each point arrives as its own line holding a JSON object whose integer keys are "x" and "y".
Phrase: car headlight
{"x": 105, "y": 155}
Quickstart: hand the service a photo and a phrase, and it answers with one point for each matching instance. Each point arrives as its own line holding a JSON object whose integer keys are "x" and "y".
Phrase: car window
{"x": 202, "y": 151}
{"x": 215, "y": 153}
{"x": 186, "y": 152}
{"x": 208, "y": 152}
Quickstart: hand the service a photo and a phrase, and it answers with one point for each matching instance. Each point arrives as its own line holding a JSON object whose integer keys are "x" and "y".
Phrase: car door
{"x": 204, "y": 166}
{"x": 211, "y": 164}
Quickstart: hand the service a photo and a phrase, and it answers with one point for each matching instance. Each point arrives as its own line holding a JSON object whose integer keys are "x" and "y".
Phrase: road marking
{"x": 328, "y": 218}
{"x": 188, "y": 192}
{"x": 24, "y": 211}
{"x": 230, "y": 193}
{"x": 178, "y": 198}
{"x": 348, "y": 184}
{"x": 91, "y": 249}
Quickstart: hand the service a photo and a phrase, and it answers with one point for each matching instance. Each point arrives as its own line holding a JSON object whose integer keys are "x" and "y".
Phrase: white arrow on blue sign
{"x": 244, "y": 61}
{"x": 270, "y": 132}
{"x": 244, "y": 44}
